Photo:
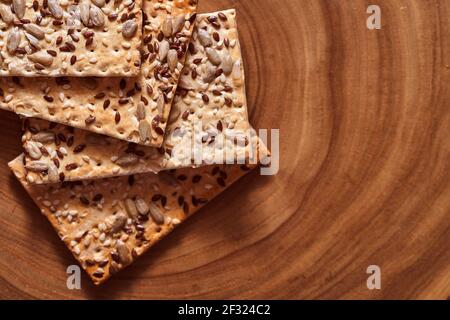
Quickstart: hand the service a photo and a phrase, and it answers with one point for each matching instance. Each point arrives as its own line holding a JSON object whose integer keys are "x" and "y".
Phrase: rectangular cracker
{"x": 57, "y": 153}
{"x": 122, "y": 108}
{"x": 167, "y": 30}
{"x": 211, "y": 95}
{"x": 108, "y": 223}
{"x": 70, "y": 38}
{"x": 50, "y": 156}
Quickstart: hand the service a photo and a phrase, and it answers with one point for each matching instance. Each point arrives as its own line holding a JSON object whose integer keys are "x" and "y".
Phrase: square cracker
{"x": 57, "y": 152}
{"x": 108, "y": 223}
{"x": 70, "y": 38}
{"x": 122, "y": 108}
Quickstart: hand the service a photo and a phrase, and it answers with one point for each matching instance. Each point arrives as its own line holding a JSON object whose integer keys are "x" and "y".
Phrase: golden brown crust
{"x": 70, "y": 38}
{"x": 55, "y": 153}
{"x": 167, "y": 31}
{"x": 108, "y": 223}
{"x": 211, "y": 95}
{"x": 128, "y": 109}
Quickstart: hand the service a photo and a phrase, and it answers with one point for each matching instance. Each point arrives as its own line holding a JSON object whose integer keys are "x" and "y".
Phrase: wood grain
{"x": 365, "y": 170}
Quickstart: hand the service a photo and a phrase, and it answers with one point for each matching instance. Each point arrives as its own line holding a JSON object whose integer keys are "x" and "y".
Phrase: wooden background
{"x": 365, "y": 170}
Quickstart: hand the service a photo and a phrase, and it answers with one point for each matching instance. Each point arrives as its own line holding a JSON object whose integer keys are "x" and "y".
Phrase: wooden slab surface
{"x": 364, "y": 118}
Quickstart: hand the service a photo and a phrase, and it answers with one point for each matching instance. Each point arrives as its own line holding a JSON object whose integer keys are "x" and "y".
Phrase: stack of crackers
{"x": 134, "y": 117}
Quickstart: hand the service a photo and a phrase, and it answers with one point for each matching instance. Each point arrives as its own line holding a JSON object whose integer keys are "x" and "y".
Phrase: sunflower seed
{"x": 33, "y": 150}
{"x": 123, "y": 252}
{"x": 13, "y": 40}
{"x": 41, "y": 57}
{"x": 120, "y": 219}
{"x": 141, "y": 206}
{"x": 44, "y": 137}
{"x": 156, "y": 214}
{"x": 55, "y": 8}
{"x": 6, "y": 13}
{"x": 204, "y": 38}
{"x": 99, "y": 3}
{"x": 227, "y": 65}
{"x": 37, "y": 166}
{"x": 167, "y": 27}
{"x": 209, "y": 75}
{"x": 53, "y": 175}
{"x": 19, "y": 8}
{"x": 33, "y": 40}
{"x": 127, "y": 160}
{"x": 96, "y": 16}
{"x": 84, "y": 13}
{"x": 172, "y": 59}
{"x": 177, "y": 24}
{"x": 160, "y": 105}
{"x": 34, "y": 30}
{"x": 236, "y": 72}
{"x": 130, "y": 206}
{"x": 144, "y": 130}
{"x": 213, "y": 56}
{"x": 129, "y": 29}
{"x": 140, "y": 111}
{"x": 164, "y": 47}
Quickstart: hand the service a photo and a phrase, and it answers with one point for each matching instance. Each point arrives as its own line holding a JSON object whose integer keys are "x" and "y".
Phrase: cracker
{"x": 167, "y": 29}
{"x": 194, "y": 124}
{"x": 121, "y": 108}
{"x": 70, "y": 38}
{"x": 108, "y": 223}
{"x": 56, "y": 153}
{"x": 211, "y": 95}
